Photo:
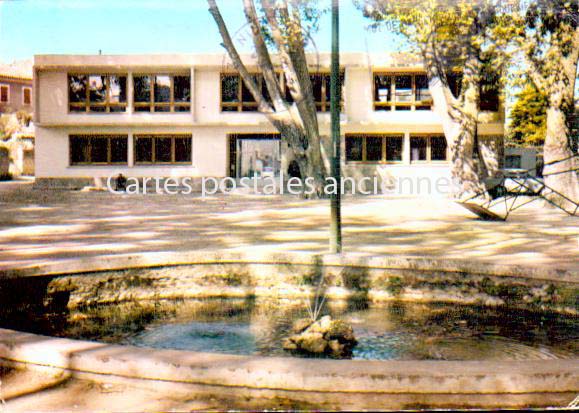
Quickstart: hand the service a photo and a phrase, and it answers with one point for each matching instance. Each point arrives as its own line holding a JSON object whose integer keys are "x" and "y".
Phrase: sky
{"x": 29, "y": 27}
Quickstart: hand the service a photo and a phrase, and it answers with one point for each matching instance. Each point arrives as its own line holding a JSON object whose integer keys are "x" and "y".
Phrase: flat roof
{"x": 217, "y": 60}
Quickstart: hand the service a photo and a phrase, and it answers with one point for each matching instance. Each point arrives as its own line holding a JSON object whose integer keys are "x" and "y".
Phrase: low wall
{"x": 119, "y": 278}
{"x": 329, "y": 384}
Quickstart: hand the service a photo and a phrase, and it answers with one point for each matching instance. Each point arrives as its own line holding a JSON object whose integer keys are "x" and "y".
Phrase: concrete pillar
{"x": 130, "y": 148}
{"x": 193, "y": 94}
{"x": 130, "y": 106}
{"x": 406, "y": 149}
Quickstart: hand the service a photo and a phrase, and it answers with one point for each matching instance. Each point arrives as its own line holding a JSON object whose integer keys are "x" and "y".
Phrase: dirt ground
{"x": 41, "y": 226}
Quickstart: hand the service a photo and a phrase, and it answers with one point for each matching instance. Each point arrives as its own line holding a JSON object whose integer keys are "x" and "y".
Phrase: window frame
{"x": 428, "y": 137}
{"x": 24, "y": 89}
{"x": 91, "y": 136}
{"x": 322, "y": 106}
{"x": 393, "y": 104}
{"x": 7, "y": 86}
{"x": 240, "y": 102}
{"x": 107, "y": 104}
{"x": 172, "y": 104}
{"x": 384, "y": 137}
{"x": 154, "y": 137}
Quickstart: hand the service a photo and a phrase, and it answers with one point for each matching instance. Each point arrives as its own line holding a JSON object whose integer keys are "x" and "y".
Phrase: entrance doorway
{"x": 254, "y": 155}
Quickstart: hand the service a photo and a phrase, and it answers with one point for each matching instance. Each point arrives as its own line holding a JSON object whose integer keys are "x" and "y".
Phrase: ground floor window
{"x": 374, "y": 148}
{"x": 428, "y": 148}
{"x": 162, "y": 149}
{"x": 98, "y": 149}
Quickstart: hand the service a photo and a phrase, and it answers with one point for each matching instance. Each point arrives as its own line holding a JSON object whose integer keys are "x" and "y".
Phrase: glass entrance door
{"x": 257, "y": 156}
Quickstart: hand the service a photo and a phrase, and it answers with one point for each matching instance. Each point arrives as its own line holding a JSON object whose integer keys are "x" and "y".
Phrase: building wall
{"x": 209, "y": 153}
{"x": 206, "y": 123}
{"x": 16, "y": 93}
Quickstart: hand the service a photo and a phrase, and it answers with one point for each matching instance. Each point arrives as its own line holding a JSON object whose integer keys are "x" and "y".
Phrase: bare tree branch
{"x": 248, "y": 79}
{"x": 264, "y": 59}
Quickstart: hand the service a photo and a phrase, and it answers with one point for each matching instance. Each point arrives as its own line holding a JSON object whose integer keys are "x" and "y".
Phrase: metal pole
{"x": 335, "y": 86}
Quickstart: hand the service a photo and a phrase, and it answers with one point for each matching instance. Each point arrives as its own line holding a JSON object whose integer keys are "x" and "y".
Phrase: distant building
{"x": 16, "y": 91}
{"x": 17, "y": 95}
{"x": 523, "y": 158}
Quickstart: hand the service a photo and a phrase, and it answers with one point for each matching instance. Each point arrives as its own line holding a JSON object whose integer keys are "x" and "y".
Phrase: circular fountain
{"x": 437, "y": 333}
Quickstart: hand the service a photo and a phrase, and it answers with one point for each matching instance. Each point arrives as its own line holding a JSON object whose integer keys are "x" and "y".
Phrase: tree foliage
{"x": 548, "y": 35}
{"x": 449, "y": 36}
{"x": 528, "y": 125}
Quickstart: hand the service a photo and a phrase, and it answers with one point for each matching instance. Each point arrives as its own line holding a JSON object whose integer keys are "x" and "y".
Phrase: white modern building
{"x": 190, "y": 115}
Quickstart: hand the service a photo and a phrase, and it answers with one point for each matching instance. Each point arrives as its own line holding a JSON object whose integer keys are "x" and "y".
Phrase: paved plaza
{"x": 40, "y": 226}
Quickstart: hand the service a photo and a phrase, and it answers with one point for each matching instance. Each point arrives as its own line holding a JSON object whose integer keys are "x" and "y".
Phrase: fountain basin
{"x": 327, "y": 383}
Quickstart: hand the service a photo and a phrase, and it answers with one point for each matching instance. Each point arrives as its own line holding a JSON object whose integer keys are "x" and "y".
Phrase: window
{"x": 235, "y": 97}
{"x": 401, "y": 92}
{"x": 162, "y": 93}
{"x": 489, "y": 96}
{"x": 513, "y": 162}
{"x": 321, "y": 89}
{"x": 163, "y": 149}
{"x": 97, "y": 93}
{"x": 26, "y": 96}
{"x": 4, "y": 93}
{"x": 422, "y": 95}
{"x": 437, "y": 148}
{"x": 428, "y": 148}
{"x": 454, "y": 80}
{"x": 489, "y": 91}
{"x": 98, "y": 149}
{"x": 418, "y": 148}
{"x": 374, "y": 148}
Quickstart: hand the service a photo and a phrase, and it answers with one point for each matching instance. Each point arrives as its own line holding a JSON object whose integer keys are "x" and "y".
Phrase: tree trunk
{"x": 466, "y": 169}
{"x": 554, "y": 72}
{"x": 557, "y": 147}
{"x": 459, "y": 123}
{"x": 297, "y": 123}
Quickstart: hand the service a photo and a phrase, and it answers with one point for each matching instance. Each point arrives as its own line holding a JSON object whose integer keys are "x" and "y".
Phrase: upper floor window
{"x": 4, "y": 93}
{"x": 98, "y": 149}
{"x": 97, "y": 93}
{"x": 374, "y": 148}
{"x": 162, "y": 93}
{"x": 26, "y": 96}
{"x": 455, "y": 83}
{"x": 489, "y": 95}
{"x": 401, "y": 92}
{"x": 488, "y": 89}
{"x": 235, "y": 97}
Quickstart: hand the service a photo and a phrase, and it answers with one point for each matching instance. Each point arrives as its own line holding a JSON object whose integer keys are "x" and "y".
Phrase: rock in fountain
{"x": 325, "y": 336}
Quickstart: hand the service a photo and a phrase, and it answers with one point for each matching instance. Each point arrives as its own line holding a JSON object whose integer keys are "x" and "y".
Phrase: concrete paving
{"x": 43, "y": 226}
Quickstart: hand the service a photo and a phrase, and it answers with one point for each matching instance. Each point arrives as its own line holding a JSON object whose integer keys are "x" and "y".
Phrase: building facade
{"x": 15, "y": 93}
{"x": 16, "y": 105}
{"x": 191, "y": 116}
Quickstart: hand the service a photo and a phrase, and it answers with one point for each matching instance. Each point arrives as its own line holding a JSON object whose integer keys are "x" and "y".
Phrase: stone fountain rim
{"x": 287, "y": 373}
{"x": 115, "y": 262}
